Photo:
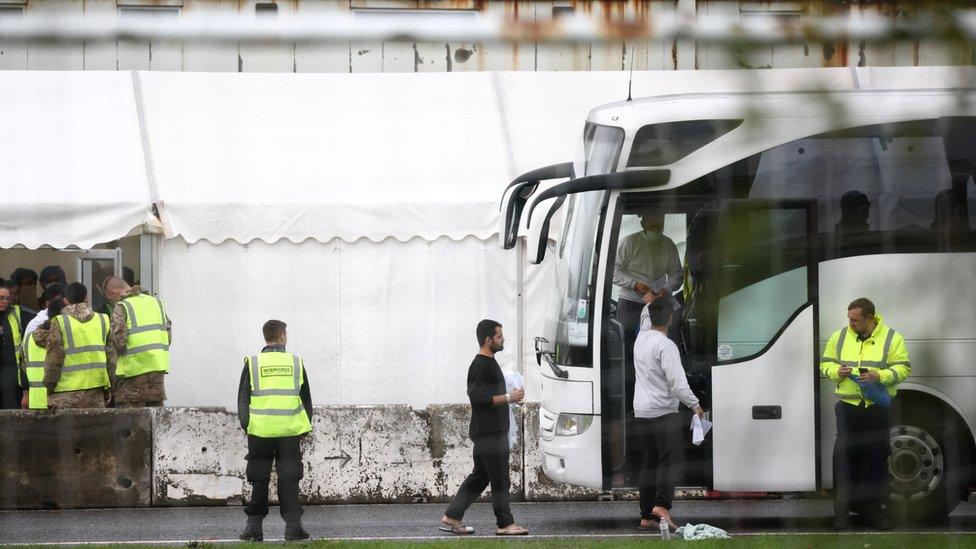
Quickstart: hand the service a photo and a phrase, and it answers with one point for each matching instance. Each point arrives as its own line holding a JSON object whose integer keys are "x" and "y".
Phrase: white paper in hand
{"x": 699, "y": 428}
{"x": 513, "y": 380}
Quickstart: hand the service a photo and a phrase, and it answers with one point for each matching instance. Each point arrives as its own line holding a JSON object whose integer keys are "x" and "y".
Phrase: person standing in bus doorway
{"x": 660, "y": 385}
{"x": 644, "y": 258}
{"x": 489, "y": 432}
{"x": 76, "y": 365}
{"x": 140, "y": 337}
{"x": 274, "y": 406}
{"x": 860, "y": 357}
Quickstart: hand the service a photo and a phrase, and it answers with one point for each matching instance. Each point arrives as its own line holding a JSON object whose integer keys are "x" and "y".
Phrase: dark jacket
{"x": 10, "y": 390}
{"x": 244, "y": 390}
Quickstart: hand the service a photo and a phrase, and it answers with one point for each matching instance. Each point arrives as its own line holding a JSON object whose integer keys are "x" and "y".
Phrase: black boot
{"x": 295, "y": 532}
{"x": 253, "y": 531}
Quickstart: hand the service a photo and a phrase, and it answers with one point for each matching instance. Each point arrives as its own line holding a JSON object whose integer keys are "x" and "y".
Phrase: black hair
{"x": 660, "y": 311}
{"x": 76, "y": 292}
{"x": 54, "y": 309}
{"x": 272, "y": 330}
{"x": 51, "y": 293}
{"x": 55, "y": 272}
{"x": 486, "y": 329}
{"x": 22, "y": 275}
{"x": 129, "y": 276}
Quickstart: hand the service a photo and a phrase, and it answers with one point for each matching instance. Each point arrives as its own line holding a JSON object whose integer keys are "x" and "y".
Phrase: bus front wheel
{"x": 929, "y": 461}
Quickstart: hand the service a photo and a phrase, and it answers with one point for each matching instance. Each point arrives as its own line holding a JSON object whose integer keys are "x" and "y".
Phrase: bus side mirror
{"x": 549, "y": 356}
{"x": 540, "y": 344}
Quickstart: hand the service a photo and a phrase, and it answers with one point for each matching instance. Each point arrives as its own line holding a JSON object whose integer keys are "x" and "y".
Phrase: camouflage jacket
{"x": 88, "y": 398}
{"x": 140, "y": 389}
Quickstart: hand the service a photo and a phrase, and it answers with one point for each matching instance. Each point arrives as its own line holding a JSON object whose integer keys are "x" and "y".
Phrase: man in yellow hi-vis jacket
{"x": 865, "y": 352}
{"x": 274, "y": 405}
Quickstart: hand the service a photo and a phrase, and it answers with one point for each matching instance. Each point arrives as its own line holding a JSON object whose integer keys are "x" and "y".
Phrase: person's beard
{"x": 496, "y": 349}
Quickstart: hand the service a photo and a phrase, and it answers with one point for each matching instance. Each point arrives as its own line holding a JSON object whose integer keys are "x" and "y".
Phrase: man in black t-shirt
{"x": 489, "y": 432}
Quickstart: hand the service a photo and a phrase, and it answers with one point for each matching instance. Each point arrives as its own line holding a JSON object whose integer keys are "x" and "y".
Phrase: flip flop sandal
{"x": 503, "y": 532}
{"x": 456, "y": 530}
{"x": 655, "y": 528}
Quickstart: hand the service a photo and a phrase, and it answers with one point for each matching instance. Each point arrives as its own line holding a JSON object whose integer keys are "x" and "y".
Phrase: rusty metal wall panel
{"x": 366, "y": 57}
{"x": 63, "y": 57}
{"x": 318, "y": 57}
{"x": 210, "y": 57}
{"x": 13, "y": 53}
{"x": 75, "y": 459}
{"x": 508, "y": 57}
{"x": 409, "y": 57}
{"x": 267, "y": 58}
{"x": 104, "y": 56}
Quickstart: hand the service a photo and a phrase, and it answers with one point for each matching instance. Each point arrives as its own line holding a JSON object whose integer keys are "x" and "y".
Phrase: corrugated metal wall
{"x": 415, "y": 57}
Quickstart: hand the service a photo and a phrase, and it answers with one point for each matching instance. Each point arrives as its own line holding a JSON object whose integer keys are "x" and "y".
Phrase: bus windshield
{"x": 601, "y": 150}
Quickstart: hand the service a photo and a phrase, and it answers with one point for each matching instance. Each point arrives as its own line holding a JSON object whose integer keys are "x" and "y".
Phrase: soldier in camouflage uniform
{"x": 54, "y": 362}
{"x": 40, "y": 336}
{"x": 143, "y": 390}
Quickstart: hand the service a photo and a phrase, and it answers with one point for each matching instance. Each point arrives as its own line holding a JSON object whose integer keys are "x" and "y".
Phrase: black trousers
{"x": 662, "y": 461}
{"x": 628, "y": 314}
{"x": 490, "y": 467}
{"x": 286, "y": 453}
{"x": 860, "y": 458}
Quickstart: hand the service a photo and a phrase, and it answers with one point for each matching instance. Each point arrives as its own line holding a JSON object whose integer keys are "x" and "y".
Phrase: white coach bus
{"x": 785, "y": 207}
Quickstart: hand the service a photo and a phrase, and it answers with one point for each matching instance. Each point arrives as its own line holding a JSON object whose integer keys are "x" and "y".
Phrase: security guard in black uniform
{"x": 274, "y": 405}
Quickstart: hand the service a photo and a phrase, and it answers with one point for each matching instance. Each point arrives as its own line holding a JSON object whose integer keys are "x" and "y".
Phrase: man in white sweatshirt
{"x": 661, "y": 383}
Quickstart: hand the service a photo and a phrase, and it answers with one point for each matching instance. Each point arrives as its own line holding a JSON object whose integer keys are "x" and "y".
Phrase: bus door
{"x": 764, "y": 381}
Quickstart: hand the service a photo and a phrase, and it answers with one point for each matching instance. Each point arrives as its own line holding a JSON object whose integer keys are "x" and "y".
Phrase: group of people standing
{"x": 866, "y": 360}
{"x": 67, "y": 355}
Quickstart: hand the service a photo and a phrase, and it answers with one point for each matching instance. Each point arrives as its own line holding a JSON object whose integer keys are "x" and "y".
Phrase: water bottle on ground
{"x": 665, "y": 531}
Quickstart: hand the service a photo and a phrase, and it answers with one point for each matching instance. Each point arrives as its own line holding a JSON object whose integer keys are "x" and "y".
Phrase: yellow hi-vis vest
{"x": 276, "y": 408}
{"x": 884, "y": 350}
{"x": 34, "y": 356}
{"x": 85, "y": 364}
{"x": 14, "y": 318}
{"x": 147, "y": 341}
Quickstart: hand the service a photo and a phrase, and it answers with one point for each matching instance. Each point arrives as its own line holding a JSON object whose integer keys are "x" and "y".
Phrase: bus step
{"x": 690, "y": 492}
{"x": 605, "y": 496}
{"x": 715, "y": 494}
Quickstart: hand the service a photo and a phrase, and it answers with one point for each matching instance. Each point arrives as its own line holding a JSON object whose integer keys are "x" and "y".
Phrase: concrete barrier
{"x": 195, "y": 456}
{"x": 77, "y": 458}
{"x": 355, "y": 454}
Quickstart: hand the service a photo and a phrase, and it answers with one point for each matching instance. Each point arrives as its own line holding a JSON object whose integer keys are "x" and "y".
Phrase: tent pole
{"x": 520, "y": 304}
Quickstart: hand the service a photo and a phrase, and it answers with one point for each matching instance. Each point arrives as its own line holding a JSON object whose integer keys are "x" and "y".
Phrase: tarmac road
{"x": 418, "y": 521}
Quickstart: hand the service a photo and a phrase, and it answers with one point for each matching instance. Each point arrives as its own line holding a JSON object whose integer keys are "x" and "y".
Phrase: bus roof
{"x": 788, "y": 93}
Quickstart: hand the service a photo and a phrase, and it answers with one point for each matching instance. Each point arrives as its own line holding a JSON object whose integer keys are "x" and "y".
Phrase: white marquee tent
{"x": 359, "y": 208}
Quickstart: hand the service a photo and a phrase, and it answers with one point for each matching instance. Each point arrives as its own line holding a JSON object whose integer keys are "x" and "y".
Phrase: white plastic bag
{"x": 513, "y": 380}
{"x": 699, "y": 428}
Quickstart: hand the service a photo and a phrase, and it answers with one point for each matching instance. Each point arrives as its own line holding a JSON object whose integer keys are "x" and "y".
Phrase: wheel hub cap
{"x": 916, "y": 463}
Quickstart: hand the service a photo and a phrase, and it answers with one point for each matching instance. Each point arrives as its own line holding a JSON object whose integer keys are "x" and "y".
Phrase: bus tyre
{"x": 929, "y": 461}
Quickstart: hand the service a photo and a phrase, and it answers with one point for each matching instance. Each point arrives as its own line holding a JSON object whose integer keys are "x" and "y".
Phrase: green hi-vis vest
{"x": 34, "y": 356}
{"x": 147, "y": 341}
{"x": 276, "y": 408}
{"x": 84, "y": 353}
